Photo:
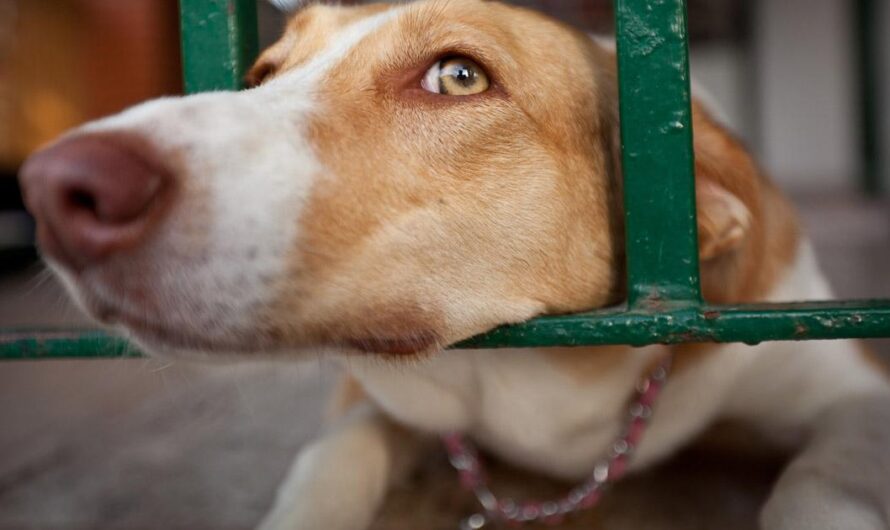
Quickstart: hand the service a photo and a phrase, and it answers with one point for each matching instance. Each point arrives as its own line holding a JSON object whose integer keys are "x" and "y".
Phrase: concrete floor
{"x": 138, "y": 444}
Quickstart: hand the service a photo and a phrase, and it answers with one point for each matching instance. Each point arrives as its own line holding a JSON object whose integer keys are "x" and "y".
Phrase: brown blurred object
{"x": 64, "y": 62}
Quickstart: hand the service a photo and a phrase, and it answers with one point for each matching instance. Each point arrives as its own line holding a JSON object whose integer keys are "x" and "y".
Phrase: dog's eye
{"x": 455, "y": 76}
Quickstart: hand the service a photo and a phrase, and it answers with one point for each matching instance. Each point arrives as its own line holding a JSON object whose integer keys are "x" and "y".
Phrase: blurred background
{"x": 140, "y": 444}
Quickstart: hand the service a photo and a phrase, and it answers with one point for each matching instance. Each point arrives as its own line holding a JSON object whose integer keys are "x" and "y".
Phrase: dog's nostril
{"x": 80, "y": 199}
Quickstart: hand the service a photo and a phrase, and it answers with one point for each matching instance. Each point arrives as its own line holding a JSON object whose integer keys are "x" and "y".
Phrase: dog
{"x": 401, "y": 177}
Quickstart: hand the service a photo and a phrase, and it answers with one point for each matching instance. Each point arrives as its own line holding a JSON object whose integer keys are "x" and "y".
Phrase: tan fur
{"x": 348, "y": 227}
{"x": 376, "y": 222}
{"x": 747, "y": 272}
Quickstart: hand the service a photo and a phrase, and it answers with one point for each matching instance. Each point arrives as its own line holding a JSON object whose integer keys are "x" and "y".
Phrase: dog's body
{"x": 558, "y": 411}
{"x": 356, "y": 202}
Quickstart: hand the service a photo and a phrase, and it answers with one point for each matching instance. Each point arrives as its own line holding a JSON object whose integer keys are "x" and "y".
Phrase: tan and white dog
{"x": 405, "y": 176}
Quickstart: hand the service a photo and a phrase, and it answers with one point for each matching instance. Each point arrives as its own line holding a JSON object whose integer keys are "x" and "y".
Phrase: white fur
{"x": 514, "y": 402}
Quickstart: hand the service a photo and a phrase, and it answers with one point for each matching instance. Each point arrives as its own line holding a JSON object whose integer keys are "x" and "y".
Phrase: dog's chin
{"x": 175, "y": 344}
{"x": 182, "y": 340}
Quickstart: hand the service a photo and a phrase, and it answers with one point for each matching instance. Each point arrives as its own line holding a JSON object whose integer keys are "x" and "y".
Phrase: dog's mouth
{"x": 159, "y": 336}
{"x": 164, "y": 337}
{"x": 183, "y": 323}
{"x": 416, "y": 343}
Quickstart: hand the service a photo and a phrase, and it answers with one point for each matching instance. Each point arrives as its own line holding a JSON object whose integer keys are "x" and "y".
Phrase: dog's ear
{"x": 723, "y": 219}
{"x": 748, "y": 232}
{"x": 726, "y": 185}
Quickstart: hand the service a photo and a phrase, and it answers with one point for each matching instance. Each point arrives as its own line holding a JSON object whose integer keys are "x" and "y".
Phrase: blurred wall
{"x": 805, "y": 56}
{"x": 64, "y": 62}
{"x": 884, "y": 94}
{"x": 721, "y": 70}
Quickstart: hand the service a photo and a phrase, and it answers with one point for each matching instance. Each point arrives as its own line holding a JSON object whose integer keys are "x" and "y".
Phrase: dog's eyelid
{"x": 471, "y": 53}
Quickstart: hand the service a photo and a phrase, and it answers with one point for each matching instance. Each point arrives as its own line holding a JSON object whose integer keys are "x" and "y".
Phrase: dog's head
{"x": 400, "y": 177}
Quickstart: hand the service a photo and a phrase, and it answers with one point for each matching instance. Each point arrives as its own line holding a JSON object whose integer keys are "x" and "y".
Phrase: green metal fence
{"x": 664, "y": 294}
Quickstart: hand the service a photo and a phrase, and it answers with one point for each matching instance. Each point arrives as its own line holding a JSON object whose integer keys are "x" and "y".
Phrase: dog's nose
{"x": 92, "y": 197}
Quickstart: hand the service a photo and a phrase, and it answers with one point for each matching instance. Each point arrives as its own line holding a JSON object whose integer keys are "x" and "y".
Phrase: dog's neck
{"x": 465, "y": 459}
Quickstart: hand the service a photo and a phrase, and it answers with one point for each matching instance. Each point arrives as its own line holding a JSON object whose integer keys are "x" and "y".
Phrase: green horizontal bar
{"x": 63, "y": 344}
{"x": 750, "y": 324}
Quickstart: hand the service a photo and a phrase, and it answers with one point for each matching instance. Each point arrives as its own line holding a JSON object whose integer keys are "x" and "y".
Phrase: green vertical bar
{"x": 219, "y": 42}
{"x": 658, "y": 161}
{"x": 868, "y": 52}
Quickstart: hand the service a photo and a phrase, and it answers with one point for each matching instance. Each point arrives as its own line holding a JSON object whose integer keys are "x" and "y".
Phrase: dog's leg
{"x": 841, "y": 480}
{"x": 339, "y": 481}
